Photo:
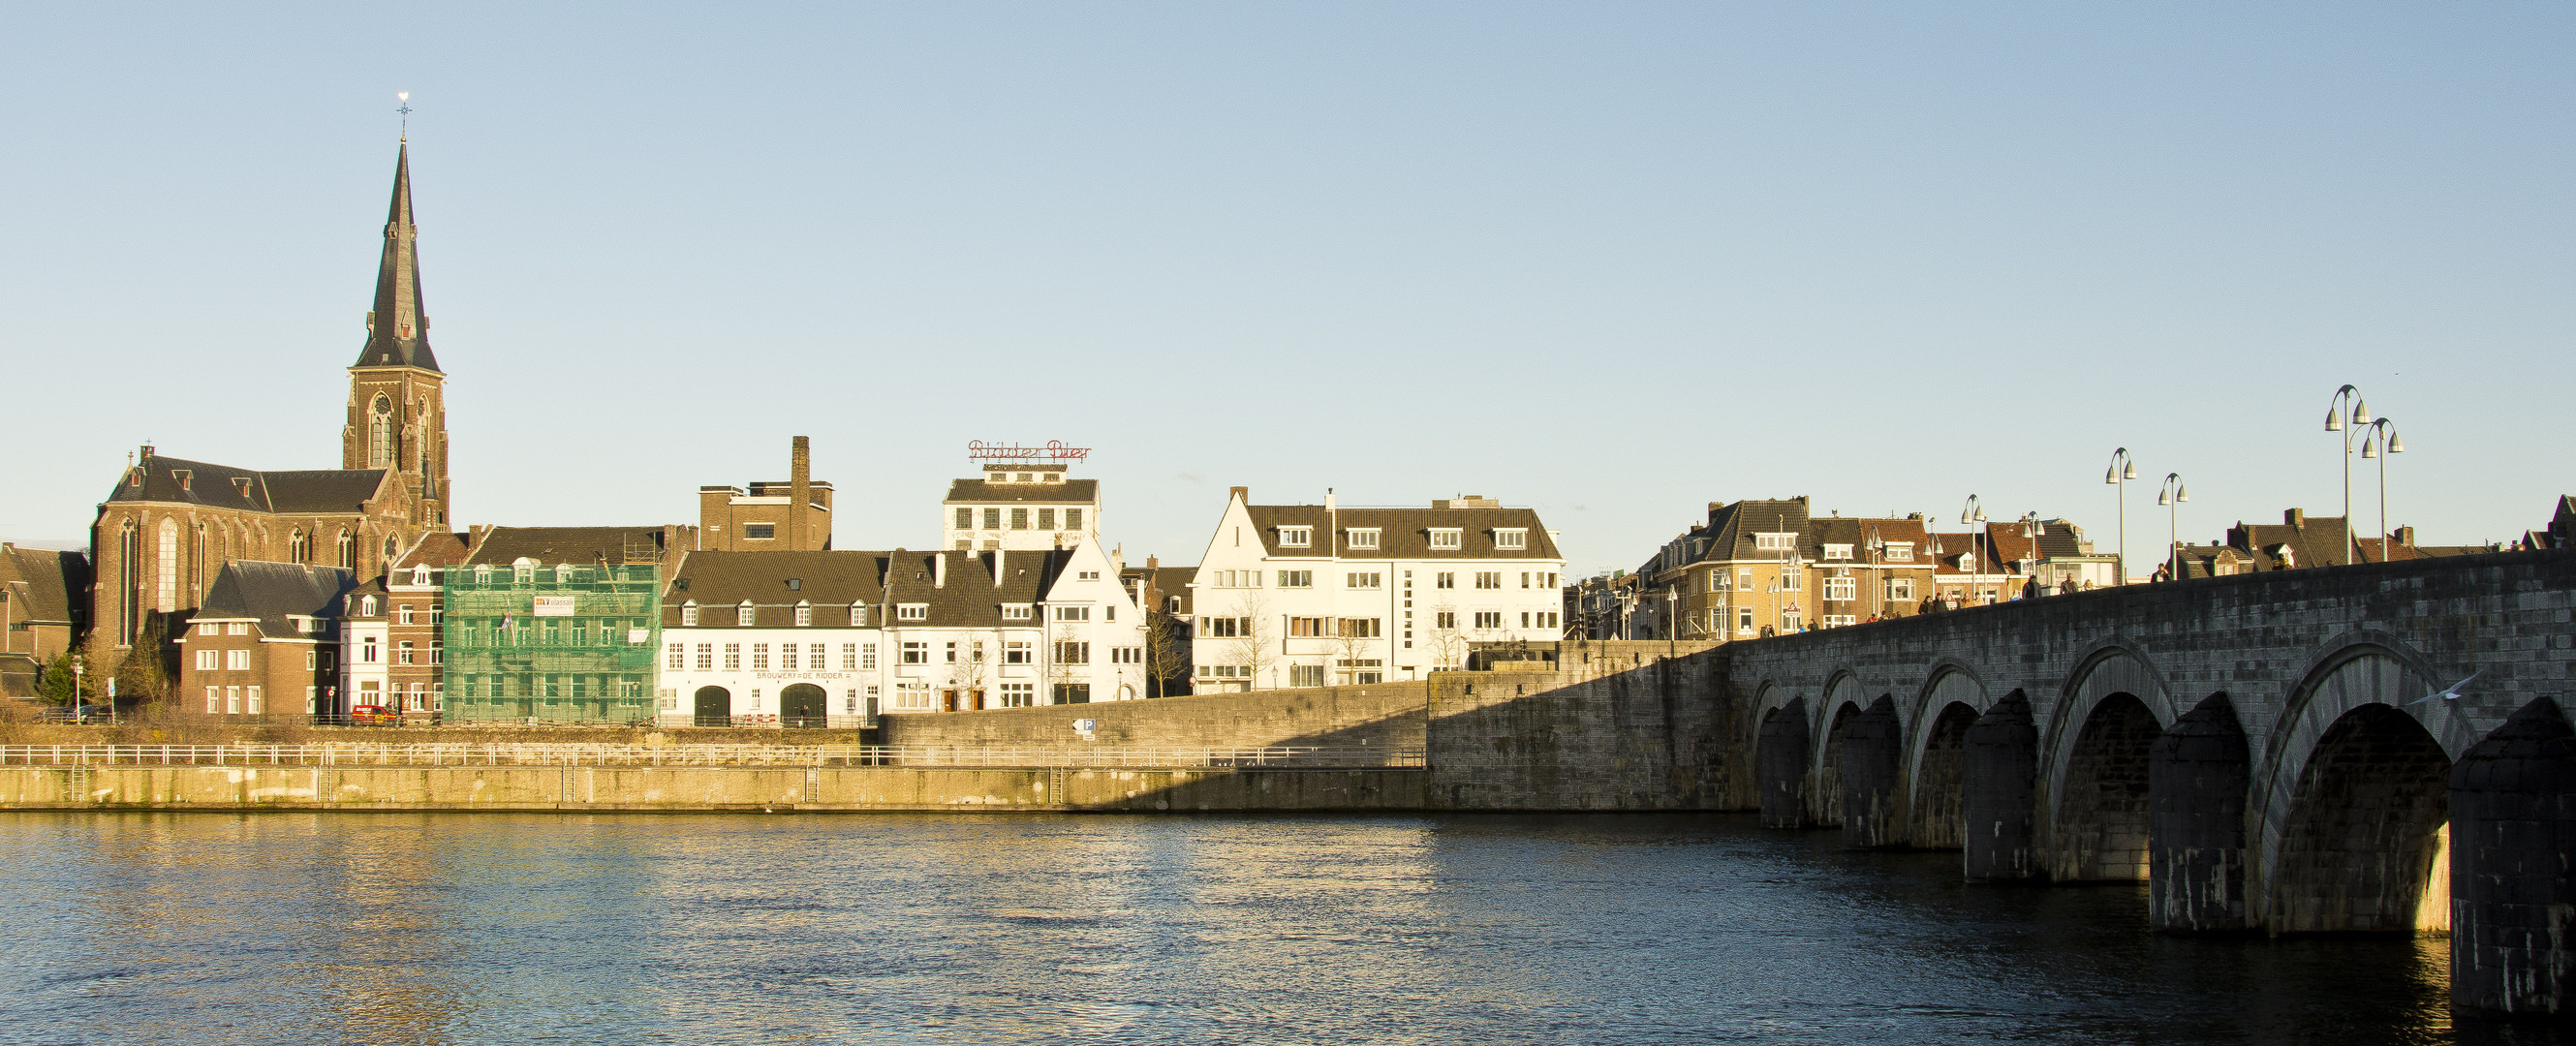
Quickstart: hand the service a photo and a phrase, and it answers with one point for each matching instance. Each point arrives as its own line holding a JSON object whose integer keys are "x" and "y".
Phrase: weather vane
{"x": 405, "y": 98}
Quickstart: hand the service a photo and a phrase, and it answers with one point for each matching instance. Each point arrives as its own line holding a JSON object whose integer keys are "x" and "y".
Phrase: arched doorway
{"x": 2365, "y": 846}
{"x": 801, "y": 706}
{"x": 715, "y": 707}
{"x": 2101, "y": 831}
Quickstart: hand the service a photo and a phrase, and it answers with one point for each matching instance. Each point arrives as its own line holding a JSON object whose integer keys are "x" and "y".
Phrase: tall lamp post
{"x": 2171, "y": 495}
{"x": 2382, "y": 432}
{"x": 2122, "y": 471}
{"x": 1672, "y": 625}
{"x": 2335, "y": 414}
{"x": 1973, "y": 514}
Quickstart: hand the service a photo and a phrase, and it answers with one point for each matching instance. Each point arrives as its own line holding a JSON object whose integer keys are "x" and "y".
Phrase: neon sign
{"x": 1055, "y": 450}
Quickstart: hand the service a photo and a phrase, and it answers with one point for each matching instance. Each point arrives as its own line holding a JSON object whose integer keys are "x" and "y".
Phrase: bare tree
{"x": 966, "y": 674}
{"x": 1167, "y": 651}
{"x": 1253, "y": 639}
{"x": 1448, "y": 644}
{"x": 1067, "y": 662}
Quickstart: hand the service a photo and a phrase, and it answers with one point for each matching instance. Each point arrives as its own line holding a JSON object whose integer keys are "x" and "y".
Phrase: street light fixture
{"x": 2335, "y": 414}
{"x": 2031, "y": 529}
{"x": 1973, "y": 515}
{"x": 2382, "y": 430}
{"x": 2122, "y": 471}
{"x": 2171, "y": 495}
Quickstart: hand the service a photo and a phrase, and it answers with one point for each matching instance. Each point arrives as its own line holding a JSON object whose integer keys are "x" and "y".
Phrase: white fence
{"x": 954, "y": 756}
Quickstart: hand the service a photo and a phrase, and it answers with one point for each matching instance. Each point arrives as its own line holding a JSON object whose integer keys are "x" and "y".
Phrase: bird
{"x": 2451, "y": 693}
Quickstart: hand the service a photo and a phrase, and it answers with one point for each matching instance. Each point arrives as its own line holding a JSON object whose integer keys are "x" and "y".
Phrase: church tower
{"x": 397, "y": 408}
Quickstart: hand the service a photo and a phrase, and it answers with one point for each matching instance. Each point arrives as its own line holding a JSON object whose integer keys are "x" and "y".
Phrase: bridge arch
{"x": 2355, "y": 785}
{"x": 1842, "y": 703}
{"x": 2098, "y": 739}
{"x": 1780, "y": 764}
{"x": 1937, "y": 750}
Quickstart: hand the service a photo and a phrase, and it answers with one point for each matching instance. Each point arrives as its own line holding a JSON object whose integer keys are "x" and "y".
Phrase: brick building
{"x": 40, "y": 612}
{"x": 171, "y": 525}
{"x": 769, "y": 516}
{"x": 266, "y": 640}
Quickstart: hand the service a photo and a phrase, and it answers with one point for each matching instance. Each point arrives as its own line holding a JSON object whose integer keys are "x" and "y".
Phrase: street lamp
{"x": 2122, "y": 471}
{"x": 2335, "y": 414}
{"x": 2031, "y": 529}
{"x": 1972, "y": 515}
{"x": 1672, "y": 626}
{"x": 2382, "y": 429}
{"x": 2172, "y": 494}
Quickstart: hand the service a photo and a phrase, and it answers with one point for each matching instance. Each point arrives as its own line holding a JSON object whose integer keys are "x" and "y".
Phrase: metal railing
{"x": 746, "y": 755}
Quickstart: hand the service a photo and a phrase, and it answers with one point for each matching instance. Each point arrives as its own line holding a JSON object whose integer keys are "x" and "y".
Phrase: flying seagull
{"x": 2450, "y": 694}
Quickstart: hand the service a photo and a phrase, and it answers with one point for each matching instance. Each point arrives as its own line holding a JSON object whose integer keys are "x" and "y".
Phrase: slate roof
{"x": 502, "y": 546}
{"x": 436, "y": 548}
{"x": 1731, "y": 528}
{"x": 398, "y": 286}
{"x": 832, "y": 581}
{"x": 308, "y": 492}
{"x": 1071, "y": 491}
{"x": 1403, "y": 533}
{"x": 271, "y": 592}
{"x": 2314, "y": 541}
{"x": 1166, "y": 583}
{"x": 42, "y": 582}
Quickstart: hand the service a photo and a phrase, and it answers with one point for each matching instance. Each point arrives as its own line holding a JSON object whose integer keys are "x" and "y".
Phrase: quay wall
{"x": 680, "y": 789}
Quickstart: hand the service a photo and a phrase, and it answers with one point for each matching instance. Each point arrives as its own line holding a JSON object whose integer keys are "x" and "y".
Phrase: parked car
{"x": 373, "y": 715}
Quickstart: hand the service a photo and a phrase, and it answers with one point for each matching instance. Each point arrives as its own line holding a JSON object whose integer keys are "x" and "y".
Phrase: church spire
{"x": 398, "y": 331}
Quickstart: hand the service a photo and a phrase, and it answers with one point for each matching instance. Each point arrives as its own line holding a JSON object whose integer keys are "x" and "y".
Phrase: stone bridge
{"x": 2253, "y": 747}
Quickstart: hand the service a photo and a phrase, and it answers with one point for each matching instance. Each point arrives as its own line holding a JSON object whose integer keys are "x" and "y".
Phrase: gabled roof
{"x": 398, "y": 336}
{"x": 833, "y": 581}
{"x": 42, "y": 582}
{"x": 1732, "y": 527}
{"x": 1071, "y": 491}
{"x": 1403, "y": 533}
{"x": 306, "y": 492}
{"x": 2313, "y": 541}
{"x": 502, "y": 546}
{"x": 269, "y": 593}
{"x": 436, "y": 548}
{"x": 970, "y": 598}
{"x": 824, "y": 579}
{"x": 1166, "y": 582}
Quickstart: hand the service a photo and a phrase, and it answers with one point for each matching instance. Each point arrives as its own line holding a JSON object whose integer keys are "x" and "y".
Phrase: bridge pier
{"x": 1780, "y": 766}
{"x": 2513, "y": 900}
{"x": 1999, "y": 786}
{"x": 1873, "y": 778}
{"x": 2197, "y": 776}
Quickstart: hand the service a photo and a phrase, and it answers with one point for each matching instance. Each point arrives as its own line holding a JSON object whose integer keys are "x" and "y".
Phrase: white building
{"x": 832, "y": 638}
{"x": 1316, "y": 595}
{"x": 1019, "y": 506}
{"x": 366, "y": 642}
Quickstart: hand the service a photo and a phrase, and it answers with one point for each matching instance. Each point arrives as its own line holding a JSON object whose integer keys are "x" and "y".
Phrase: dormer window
{"x": 1017, "y": 612}
{"x": 1774, "y": 542}
{"x": 1362, "y": 537}
{"x": 1512, "y": 539}
{"x": 912, "y": 612}
{"x": 689, "y": 612}
{"x": 1899, "y": 552}
{"x": 367, "y": 606}
{"x": 744, "y": 615}
{"x": 523, "y": 571}
{"x": 1296, "y": 537}
{"x": 858, "y": 615}
{"x": 241, "y": 485}
{"x": 804, "y": 614}
{"x": 184, "y": 478}
{"x": 420, "y": 575}
{"x": 1445, "y": 537}
{"x": 1838, "y": 552}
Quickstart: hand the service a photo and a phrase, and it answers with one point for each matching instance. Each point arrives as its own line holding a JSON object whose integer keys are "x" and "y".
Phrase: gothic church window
{"x": 348, "y": 551}
{"x": 380, "y": 434}
{"x": 299, "y": 549}
{"x": 168, "y": 567}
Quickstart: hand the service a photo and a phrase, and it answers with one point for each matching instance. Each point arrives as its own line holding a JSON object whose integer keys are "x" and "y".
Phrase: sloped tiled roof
{"x": 833, "y": 581}
{"x": 314, "y": 491}
{"x": 505, "y": 545}
{"x": 1731, "y": 528}
{"x": 271, "y": 592}
{"x": 436, "y": 548}
{"x": 970, "y": 598}
{"x": 824, "y": 579}
{"x": 2315, "y": 541}
{"x": 1403, "y": 533}
{"x": 42, "y": 583}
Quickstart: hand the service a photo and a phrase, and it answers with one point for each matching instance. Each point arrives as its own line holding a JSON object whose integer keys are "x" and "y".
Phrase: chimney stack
{"x": 939, "y": 569}
{"x": 800, "y": 493}
{"x": 1242, "y": 494}
{"x": 2295, "y": 517}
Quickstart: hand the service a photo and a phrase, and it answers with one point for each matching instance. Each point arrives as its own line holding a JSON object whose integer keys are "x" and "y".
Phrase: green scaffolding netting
{"x": 557, "y": 643}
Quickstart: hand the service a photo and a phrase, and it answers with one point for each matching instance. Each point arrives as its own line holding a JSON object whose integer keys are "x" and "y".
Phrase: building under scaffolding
{"x": 557, "y": 624}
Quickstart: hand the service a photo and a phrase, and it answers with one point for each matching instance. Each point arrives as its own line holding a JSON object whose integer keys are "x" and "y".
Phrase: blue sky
{"x": 1610, "y": 261}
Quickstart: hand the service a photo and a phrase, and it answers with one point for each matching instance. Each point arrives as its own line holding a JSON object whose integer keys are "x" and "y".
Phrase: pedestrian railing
{"x": 343, "y": 754}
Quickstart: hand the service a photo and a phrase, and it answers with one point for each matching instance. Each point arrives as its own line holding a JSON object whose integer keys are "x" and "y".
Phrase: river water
{"x": 430, "y": 928}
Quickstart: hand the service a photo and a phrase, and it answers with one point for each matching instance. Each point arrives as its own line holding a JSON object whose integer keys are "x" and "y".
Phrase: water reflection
{"x": 1004, "y": 929}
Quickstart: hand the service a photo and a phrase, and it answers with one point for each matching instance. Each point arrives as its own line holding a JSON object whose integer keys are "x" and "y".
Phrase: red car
{"x": 373, "y": 715}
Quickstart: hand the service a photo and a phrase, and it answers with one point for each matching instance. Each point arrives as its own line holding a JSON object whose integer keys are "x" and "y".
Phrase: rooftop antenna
{"x": 405, "y": 98}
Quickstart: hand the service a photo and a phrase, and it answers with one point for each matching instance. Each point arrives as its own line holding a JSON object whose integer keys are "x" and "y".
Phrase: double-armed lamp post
{"x": 2122, "y": 471}
{"x": 2359, "y": 412}
{"x": 2171, "y": 495}
{"x": 2383, "y": 433}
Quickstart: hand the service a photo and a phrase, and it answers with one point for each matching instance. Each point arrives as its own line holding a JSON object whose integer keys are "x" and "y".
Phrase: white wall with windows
{"x": 1299, "y": 615}
{"x": 751, "y": 667}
